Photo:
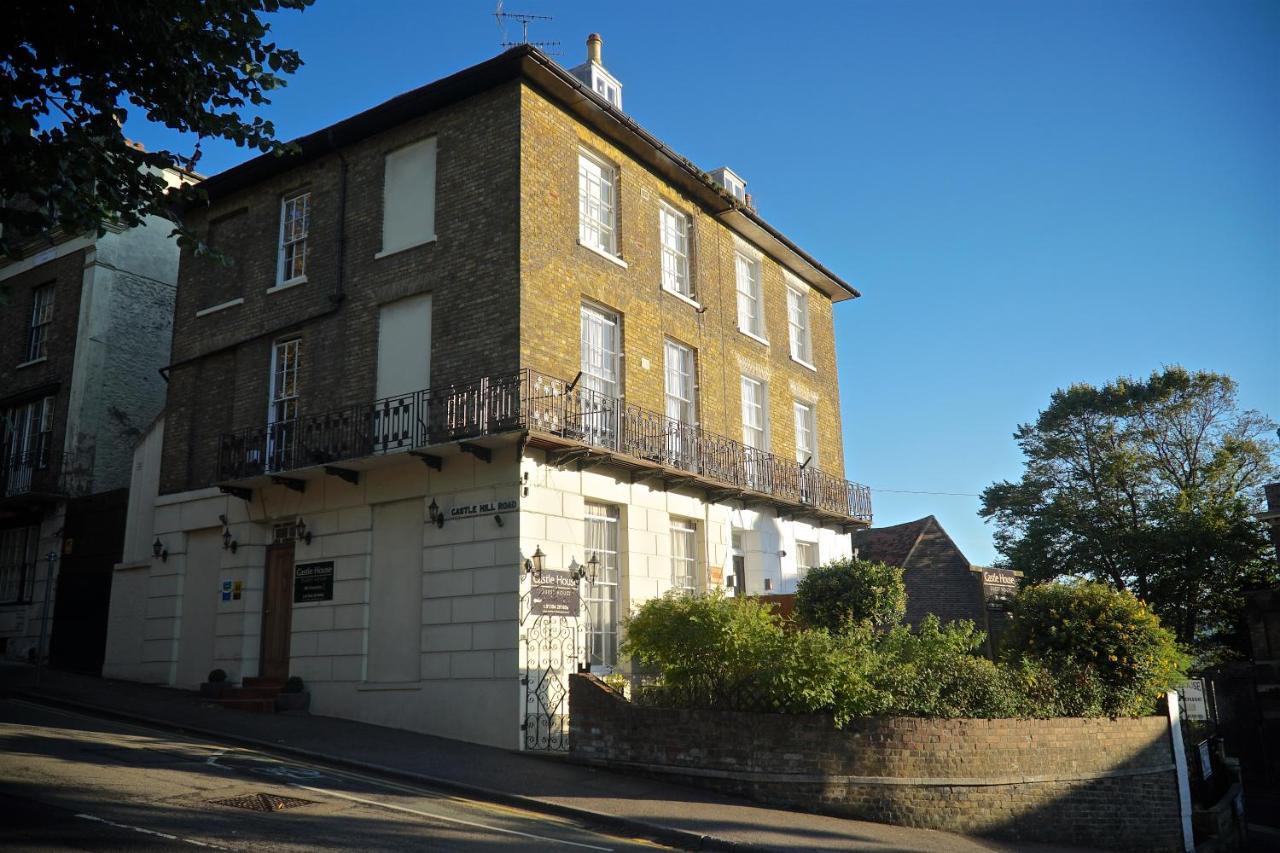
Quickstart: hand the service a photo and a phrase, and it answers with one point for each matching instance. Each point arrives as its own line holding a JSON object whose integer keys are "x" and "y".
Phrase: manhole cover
{"x": 260, "y": 802}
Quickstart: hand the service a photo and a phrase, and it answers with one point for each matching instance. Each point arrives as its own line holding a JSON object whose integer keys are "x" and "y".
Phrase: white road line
{"x": 450, "y": 819}
{"x": 144, "y": 831}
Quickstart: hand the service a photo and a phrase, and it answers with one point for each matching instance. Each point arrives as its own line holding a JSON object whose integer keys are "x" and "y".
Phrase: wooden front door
{"x": 277, "y": 612}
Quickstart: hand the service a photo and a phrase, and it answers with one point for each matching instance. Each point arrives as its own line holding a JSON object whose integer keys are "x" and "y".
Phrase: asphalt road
{"x": 74, "y": 782}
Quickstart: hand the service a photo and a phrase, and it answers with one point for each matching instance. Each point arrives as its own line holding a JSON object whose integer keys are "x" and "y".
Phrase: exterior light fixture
{"x": 302, "y": 532}
{"x": 229, "y": 544}
{"x": 497, "y": 519}
{"x": 533, "y": 566}
{"x": 593, "y": 568}
{"x": 434, "y": 513}
{"x": 158, "y": 551}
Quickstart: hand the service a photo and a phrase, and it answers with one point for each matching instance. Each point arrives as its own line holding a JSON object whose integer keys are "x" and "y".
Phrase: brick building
{"x": 84, "y": 334}
{"x": 493, "y": 366}
{"x": 939, "y": 578}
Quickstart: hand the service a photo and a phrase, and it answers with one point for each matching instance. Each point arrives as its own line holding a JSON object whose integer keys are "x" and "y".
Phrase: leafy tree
{"x": 1103, "y": 643}
{"x": 71, "y": 72}
{"x": 850, "y": 591}
{"x": 1148, "y": 486}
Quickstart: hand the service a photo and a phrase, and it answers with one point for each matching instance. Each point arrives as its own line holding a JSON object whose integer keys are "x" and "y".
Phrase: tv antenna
{"x": 524, "y": 19}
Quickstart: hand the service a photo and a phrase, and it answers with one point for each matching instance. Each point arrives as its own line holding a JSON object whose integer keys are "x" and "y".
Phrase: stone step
{"x": 257, "y": 681}
{"x": 254, "y": 704}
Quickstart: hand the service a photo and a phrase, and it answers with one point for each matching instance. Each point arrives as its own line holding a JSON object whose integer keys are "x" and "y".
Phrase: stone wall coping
{"x": 915, "y": 781}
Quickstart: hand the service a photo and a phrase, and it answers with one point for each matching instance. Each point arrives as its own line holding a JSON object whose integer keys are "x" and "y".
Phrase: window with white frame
{"x": 409, "y": 196}
{"x": 750, "y": 303}
{"x": 806, "y": 558}
{"x": 286, "y": 358}
{"x": 681, "y": 383}
{"x": 684, "y": 555}
{"x": 806, "y": 434}
{"x": 17, "y": 563}
{"x": 798, "y": 325}
{"x": 597, "y": 203}
{"x": 673, "y": 227}
{"x": 601, "y": 598}
{"x": 754, "y": 413}
{"x": 41, "y": 321}
{"x": 599, "y": 350}
{"x": 295, "y": 226}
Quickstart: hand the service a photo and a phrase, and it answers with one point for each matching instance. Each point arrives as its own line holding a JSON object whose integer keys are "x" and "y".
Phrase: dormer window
{"x": 733, "y": 184}
{"x": 593, "y": 74}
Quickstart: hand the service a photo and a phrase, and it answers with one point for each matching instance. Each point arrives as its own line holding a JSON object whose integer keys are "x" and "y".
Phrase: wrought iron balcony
{"x": 558, "y": 414}
{"x": 41, "y": 473}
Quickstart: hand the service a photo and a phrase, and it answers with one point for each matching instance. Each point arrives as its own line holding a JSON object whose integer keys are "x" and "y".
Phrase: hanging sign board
{"x": 555, "y": 594}
{"x": 484, "y": 508}
{"x": 1194, "y": 706}
{"x": 998, "y": 588}
{"x": 313, "y": 582}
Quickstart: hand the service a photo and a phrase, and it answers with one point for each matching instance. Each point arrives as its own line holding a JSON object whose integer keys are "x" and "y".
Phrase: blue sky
{"x": 1028, "y": 194}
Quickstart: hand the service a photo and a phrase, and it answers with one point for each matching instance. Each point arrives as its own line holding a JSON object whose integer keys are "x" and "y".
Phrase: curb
{"x": 681, "y": 838}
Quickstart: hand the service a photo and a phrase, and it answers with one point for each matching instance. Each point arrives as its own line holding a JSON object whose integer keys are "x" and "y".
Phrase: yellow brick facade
{"x": 557, "y": 275}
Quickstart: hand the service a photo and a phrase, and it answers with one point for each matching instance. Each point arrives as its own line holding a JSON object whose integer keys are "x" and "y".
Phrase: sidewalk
{"x": 670, "y": 813}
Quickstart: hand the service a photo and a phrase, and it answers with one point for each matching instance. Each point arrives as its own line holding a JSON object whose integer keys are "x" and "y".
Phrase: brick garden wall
{"x": 1090, "y": 782}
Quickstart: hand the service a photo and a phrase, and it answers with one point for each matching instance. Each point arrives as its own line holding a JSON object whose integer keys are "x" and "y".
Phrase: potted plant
{"x": 216, "y": 685}
{"x": 294, "y": 696}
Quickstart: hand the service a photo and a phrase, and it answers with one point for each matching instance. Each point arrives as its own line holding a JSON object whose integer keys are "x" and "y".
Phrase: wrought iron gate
{"x": 551, "y": 652}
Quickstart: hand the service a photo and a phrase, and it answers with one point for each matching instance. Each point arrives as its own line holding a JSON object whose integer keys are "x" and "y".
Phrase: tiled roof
{"x": 893, "y": 544}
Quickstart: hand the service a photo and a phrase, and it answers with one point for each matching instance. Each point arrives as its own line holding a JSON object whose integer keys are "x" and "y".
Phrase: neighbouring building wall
{"x": 1090, "y": 782}
{"x": 558, "y": 274}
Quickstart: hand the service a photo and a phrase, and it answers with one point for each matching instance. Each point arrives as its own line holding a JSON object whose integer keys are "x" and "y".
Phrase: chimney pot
{"x": 593, "y": 48}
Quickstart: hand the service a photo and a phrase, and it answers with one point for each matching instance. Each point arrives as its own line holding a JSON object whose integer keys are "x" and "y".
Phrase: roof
{"x": 891, "y": 545}
{"x": 528, "y": 63}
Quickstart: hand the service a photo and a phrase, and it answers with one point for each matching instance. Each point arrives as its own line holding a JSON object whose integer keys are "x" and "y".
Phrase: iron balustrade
{"x": 43, "y": 472}
{"x": 530, "y": 400}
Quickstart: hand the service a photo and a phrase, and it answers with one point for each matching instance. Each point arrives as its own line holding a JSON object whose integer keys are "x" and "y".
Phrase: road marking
{"x": 144, "y": 831}
{"x": 394, "y": 807}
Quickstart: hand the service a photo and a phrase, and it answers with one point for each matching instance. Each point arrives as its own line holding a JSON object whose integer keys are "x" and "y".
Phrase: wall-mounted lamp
{"x": 533, "y": 566}
{"x": 587, "y": 572}
{"x": 497, "y": 519}
{"x": 158, "y": 551}
{"x": 302, "y": 532}
{"x": 229, "y": 544}
{"x": 434, "y": 513}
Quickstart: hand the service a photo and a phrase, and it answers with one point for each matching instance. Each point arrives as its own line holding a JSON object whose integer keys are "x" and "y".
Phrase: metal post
{"x": 1180, "y": 765}
{"x": 52, "y": 558}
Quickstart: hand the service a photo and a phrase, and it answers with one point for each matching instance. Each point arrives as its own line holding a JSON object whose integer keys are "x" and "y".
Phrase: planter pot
{"x": 296, "y": 702}
{"x": 214, "y": 689}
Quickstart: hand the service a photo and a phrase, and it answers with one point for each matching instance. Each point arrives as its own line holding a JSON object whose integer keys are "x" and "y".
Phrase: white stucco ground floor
{"x": 398, "y": 587}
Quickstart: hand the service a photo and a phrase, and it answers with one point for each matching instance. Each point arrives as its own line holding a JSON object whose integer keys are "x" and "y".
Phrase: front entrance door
{"x": 277, "y": 612}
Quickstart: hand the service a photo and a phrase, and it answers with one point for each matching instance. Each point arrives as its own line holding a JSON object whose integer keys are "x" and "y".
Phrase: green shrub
{"x": 294, "y": 684}
{"x": 217, "y": 676}
{"x": 1088, "y": 649}
{"x": 849, "y": 592}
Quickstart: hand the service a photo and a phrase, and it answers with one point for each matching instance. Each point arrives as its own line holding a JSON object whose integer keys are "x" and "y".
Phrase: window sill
{"x": 602, "y": 253}
{"x": 214, "y": 309}
{"x": 678, "y": 295}
{"x": 803, "y": 363}
{"x": 285, "y": 285}
{"x": 386, "y": 253}
{"x": 39, "y": 360}
{"x": 753, "y": 336}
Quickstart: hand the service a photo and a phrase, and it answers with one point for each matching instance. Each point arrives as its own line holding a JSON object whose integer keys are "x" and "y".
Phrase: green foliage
{"x": 216, "y": 676}
{"x": 1107, "y": 651}
{"x": 849, "y": 592}
{"x": 293, "y": 684}
{"x": 709, "y": 651}
{"x": 72, "y": 73}
{"x": 1149, "y": 486}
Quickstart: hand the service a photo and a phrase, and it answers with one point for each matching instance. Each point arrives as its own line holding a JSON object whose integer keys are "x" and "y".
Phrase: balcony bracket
{"x": 290, "y": 483}
{"x": 429, "y": 459}
{"x": 240, "y": 492}
{"x": 352, "y": 477}
{"x": 591, "y": 460}
{"x": 716, "y": 496}
{"x": 562, "y": 458}
{"x": 484, "y": 454}
{"x": 649, "y": 476}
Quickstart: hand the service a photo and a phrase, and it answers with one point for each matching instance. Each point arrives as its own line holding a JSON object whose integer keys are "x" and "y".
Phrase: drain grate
{"x": 261, "y": 802}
